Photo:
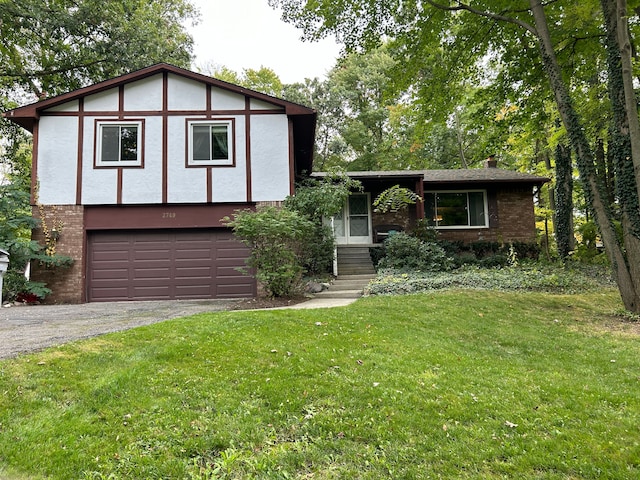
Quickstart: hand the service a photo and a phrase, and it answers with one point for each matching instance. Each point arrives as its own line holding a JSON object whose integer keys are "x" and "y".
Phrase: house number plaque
{"x": 168, "y": 214}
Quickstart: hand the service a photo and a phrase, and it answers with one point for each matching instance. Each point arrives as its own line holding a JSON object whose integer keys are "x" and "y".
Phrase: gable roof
{"x": 303, "y": 118}
{"x": 451, "y": 176}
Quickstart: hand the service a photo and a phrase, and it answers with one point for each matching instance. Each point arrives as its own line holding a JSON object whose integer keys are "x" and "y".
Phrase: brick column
{"x": 67, "y": 284}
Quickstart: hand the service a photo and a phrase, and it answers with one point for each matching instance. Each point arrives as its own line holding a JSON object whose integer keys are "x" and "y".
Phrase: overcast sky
{"x": 243, "y": 34}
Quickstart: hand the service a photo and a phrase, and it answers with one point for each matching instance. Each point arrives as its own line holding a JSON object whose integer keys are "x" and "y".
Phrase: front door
{"x": 353, "y": 224}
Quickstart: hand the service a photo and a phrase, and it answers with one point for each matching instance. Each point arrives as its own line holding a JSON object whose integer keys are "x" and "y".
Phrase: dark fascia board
{"x": 451, "y": 178}
{"x": 378, "y": 175}
{"x": 27, "y": 115}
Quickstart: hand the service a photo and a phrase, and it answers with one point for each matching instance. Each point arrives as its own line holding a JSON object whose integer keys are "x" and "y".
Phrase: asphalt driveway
{"x": 29, "y": 328}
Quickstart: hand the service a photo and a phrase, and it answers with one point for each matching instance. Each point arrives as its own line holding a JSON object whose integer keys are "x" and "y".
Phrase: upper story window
{"x": 211, "y": 143}
{"x": 119, "y": 144}
{"x": 459, "y": 209}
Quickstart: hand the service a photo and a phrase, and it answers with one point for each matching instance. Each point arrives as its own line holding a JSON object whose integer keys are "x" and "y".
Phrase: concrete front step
{"x": 355, "y": 271}
{"x": 347, "y": 286}
{"x": 340, "y": 294}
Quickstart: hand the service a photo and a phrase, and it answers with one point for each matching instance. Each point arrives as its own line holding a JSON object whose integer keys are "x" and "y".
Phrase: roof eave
{"x": 25, "y": 116}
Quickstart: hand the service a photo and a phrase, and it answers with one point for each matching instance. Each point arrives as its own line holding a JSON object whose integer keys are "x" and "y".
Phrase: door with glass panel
{"x": 353, "y": 224}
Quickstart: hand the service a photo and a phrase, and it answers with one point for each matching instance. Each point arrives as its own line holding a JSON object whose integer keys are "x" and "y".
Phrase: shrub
{"x": 494, "y": 261}
{"x": 406, "y": 252}
{"x": 16, "y": 287}
{"x": 526, "y": 250}
{"x": 376, "y": 254}
{"x": 424, "y": 231}
{"x": 317, "y": 256}
{"x": 485, "y": 248}
{"x": 278, "y": 239}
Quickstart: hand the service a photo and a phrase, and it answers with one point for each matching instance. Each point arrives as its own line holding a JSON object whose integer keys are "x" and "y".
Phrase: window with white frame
{"x": 210, "y": 143}
{"x": 456, "y": 209}
{"x": 119, "y": 144}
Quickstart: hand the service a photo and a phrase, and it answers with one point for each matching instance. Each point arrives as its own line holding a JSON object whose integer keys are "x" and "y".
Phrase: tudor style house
{"x": 133, "y": 176}
{"x": 141, "y": 169}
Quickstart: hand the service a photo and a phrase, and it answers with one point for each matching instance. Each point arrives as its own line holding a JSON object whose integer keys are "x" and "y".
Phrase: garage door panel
{"x": 175, "y": 264}
{"x": 110, "y": 294}
{"x": 114, "y": 274}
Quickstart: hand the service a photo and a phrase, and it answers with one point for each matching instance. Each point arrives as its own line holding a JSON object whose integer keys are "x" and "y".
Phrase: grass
{"x": 455, "y": 384}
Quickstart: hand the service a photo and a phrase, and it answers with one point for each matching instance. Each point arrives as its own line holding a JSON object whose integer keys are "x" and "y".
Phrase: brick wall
{"x": 67, "y": 284}
{"x": 515, "y": 221}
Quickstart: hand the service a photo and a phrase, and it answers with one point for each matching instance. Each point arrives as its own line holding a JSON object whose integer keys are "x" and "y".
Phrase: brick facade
{"x": 515, "y": 220}
{"x": 66, "y": 284}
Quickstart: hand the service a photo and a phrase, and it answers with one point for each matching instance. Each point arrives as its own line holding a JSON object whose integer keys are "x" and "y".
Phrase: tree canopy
{"x": 51, "y": 46}
{"x": 524, "y": 56}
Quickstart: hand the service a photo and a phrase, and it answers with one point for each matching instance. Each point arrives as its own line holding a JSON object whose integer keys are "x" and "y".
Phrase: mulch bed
{"x": 267, "y": 302}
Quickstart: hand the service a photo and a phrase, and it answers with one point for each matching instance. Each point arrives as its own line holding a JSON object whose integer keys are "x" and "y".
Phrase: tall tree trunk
{"x": 601, "y": 170}
{"x": 630, "y": 102}
{"x": 564, "y": 201}
{"x": 626, "y": 129}
{"x": 629, "y": 290}
{"x": 544, "y": 154}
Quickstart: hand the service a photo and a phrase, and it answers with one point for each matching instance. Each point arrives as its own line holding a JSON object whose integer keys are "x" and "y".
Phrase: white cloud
{"x": 243, "y": 34}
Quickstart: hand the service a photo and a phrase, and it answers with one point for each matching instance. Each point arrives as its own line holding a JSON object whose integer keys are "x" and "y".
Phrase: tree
{"x": 48, "y": 47}
{"x": 263, "y": 80}
{"x": 441, "y": 45}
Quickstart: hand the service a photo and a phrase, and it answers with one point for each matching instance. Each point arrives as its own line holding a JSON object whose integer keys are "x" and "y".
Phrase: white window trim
{"x": 118, "y": 123}
{"x": 465, "y": 227}
{"x": 229, "y": 161}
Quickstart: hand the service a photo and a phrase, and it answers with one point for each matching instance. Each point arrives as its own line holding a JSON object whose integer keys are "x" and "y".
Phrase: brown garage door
{"x": 166, "y": 265}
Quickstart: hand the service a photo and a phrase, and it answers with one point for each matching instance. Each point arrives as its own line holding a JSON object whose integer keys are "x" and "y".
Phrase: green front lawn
{"x": 455, "y": 384}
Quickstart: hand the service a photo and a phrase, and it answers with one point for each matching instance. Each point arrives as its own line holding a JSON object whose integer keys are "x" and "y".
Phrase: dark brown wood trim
{"x": 121, "y": 101}
{"x": 34, "y": 163}
{"x": 420, "y": 205}
{"x": 292, "y": 161}
{"x": 119, "y": 194}
{"x": 139, "y": 217}
{"x": 209, "y": 184}
{"x": 208, "y": 101}
{"x": 247, "y": 135}
{"x": 171, "y": 113}
{"x": 79, "y": 152}
{"x": 85, "y": 252}
{"x": 165, "y": 137}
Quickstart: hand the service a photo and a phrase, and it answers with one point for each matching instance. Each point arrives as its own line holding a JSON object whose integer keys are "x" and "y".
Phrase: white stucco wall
{"x": 58, "y": 147}
{"x": 57, "y": 160}
{"x": 144, "y": 95}
{"x": 185, "y": 185}
{"x": 260, "y": 105}
{"x": 144, "y": 185}
{"x": 186, "y": 94}
{"x": 224, "y": 100}
{"x": 65, "y": 107}
{"x": 229, "y": 184}
{"x": 106, "y": 101}
{"x": 269, "y": 157}
{"x": 99, "y": 186}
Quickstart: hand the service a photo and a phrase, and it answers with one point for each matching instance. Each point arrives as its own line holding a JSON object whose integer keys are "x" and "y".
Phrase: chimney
{"x": 491, "y": 162}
